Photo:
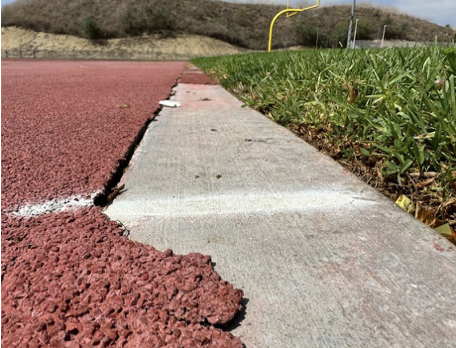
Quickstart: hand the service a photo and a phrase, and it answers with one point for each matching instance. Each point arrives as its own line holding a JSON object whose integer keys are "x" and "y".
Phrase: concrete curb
{"x": 324, "y": 260}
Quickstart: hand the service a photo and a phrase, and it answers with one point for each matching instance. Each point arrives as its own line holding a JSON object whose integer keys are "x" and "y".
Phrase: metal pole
{"x": 383, "y": 38}
{"x": 351, "y": 24}
{"x": 354, "y": 36}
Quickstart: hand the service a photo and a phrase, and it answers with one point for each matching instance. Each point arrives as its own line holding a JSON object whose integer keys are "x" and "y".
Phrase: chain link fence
{"x": 396, "y": 43}
{"x": 123, "y": 54}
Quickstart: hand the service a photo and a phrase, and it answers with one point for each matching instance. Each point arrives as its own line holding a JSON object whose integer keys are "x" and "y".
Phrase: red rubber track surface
{"x": 65, "y": 125}
{"x": 71, "y": 279}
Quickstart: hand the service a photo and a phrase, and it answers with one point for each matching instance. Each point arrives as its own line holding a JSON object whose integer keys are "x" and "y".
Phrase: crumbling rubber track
{"x": 71, "y": 279}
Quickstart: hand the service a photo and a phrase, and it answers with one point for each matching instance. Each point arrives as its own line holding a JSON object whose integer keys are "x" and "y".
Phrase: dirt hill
{"x": 23, "y": 43}
{"x": 244, "y": 25}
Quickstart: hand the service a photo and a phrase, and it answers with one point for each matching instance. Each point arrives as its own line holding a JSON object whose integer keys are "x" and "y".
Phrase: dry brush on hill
{"x": 245, "y": 25}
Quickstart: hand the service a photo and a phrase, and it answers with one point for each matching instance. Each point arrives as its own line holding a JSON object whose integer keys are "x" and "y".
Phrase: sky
{"x": 438, "y": 11}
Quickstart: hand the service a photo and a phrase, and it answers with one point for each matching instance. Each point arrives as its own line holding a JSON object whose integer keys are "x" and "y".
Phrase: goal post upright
{"x": 288, "y": 7}
{"x": 290, "y": 12}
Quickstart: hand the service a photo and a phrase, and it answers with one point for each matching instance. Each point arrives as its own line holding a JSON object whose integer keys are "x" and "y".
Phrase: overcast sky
{"x": 438, "y": 11}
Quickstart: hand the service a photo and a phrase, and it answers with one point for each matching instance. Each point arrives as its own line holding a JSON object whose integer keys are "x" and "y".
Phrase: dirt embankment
{"x": 22, "y": 43}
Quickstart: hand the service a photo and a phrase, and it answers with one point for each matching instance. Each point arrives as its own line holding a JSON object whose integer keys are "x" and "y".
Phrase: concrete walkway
{"x": 324, "y": 260}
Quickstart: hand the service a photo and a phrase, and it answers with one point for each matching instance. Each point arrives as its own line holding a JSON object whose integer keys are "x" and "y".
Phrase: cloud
{"x": 442, "y": 11}
{"x": 6, "y": 2}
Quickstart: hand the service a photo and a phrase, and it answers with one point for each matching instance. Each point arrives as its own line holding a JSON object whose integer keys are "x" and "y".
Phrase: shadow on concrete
{"x": 237, "y": 320}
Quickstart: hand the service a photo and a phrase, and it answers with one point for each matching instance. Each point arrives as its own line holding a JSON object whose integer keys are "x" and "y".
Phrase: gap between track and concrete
{"x": 324, "y": 259}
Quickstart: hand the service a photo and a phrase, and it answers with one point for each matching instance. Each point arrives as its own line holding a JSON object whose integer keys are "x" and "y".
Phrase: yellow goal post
{"x": 290, "y": 12}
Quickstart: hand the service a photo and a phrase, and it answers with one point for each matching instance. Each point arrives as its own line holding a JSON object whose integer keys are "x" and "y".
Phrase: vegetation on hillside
{"x": 245, "y": 25}
{"x": 389, "y": 115}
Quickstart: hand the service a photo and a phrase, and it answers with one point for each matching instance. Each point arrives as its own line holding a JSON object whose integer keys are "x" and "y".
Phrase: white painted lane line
{"x": 239, "y": 203}
{"x": 55, "y": 205}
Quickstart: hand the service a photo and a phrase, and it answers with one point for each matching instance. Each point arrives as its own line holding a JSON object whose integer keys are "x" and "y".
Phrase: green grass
{"x": 401, "y": 116}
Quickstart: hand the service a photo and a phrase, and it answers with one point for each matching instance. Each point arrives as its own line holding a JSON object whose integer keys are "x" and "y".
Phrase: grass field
{"x": 388, "y": 115}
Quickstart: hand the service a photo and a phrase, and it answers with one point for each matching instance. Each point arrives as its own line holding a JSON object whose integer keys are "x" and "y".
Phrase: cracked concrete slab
{"x": 323, "y": 259}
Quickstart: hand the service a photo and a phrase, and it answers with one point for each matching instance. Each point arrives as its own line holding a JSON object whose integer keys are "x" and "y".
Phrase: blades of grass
{"x": 398, "y": 107}
{"x": 437, "y": 136}
{"x": 453, "y": 97}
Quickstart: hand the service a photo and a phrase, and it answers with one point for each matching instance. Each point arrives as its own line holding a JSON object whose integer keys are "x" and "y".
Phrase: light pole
{"x": 351, "y": 24}
{"x": 354, "y": 36}
{"x": 383, "y": 37}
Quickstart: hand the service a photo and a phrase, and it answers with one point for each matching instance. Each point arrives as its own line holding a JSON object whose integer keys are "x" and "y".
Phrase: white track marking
{"x": 55, "y": 205}
{"x": 240, "y": 203}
